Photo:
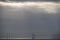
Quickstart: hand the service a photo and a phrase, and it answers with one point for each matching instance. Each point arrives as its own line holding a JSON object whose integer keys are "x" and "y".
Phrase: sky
{"x": 20, "y": 20}
{"x": 33, "y": 0}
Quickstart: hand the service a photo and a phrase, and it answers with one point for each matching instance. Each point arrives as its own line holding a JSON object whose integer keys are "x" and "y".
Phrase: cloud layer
{"x": 20, "y": 20}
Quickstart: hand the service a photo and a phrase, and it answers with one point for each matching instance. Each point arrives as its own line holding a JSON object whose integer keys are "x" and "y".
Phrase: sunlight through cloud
{"x": 49, "y": 7}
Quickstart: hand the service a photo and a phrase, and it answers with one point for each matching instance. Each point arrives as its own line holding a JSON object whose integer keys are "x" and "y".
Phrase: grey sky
{"x": 24, "y": 20}
{"x": 31, "y": 0}
{"x": 35, "y": 0}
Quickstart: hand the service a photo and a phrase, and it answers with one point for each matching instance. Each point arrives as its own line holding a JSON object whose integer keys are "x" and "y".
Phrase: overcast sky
{"x": 32, "y": 0}
{"x": 35, "y": 0}
{"x": 20, "y": 20}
